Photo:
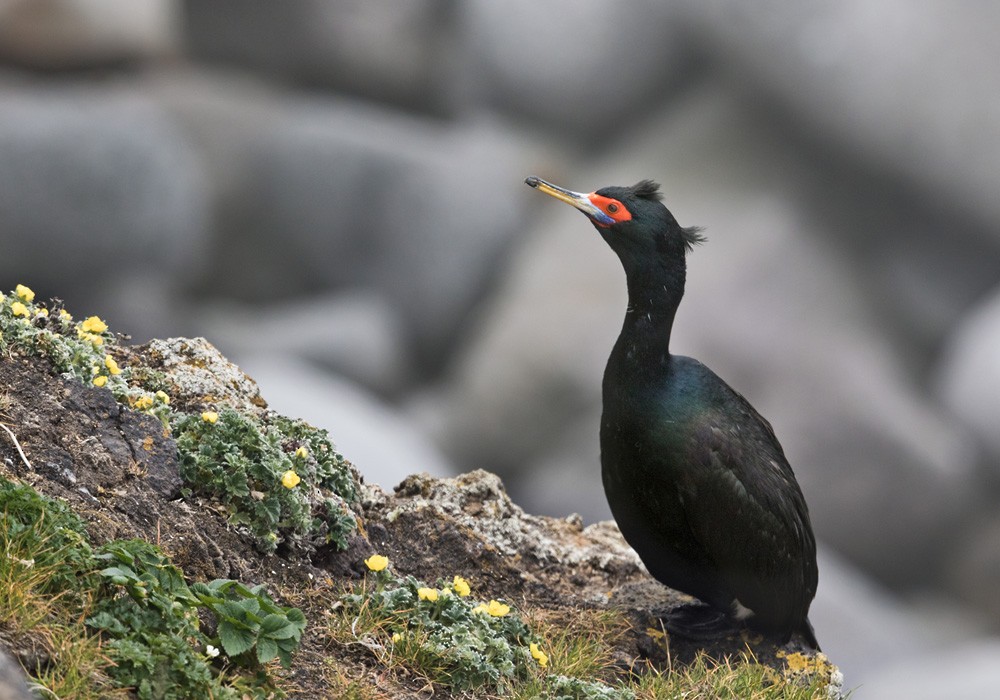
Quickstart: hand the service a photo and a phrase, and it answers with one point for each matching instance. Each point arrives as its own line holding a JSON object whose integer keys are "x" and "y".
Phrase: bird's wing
{"x": 750, "y": 516}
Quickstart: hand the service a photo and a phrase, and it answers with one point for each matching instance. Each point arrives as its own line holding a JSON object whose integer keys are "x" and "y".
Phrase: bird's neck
{"x": 645, "y": 338}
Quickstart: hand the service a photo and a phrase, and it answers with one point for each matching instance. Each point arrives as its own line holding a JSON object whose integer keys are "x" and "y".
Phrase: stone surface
{"x": 565, "y": 64}
{"x": 12, "y": 682}
{"x": 341, "y": 45}
{"x": 968, "y": 376}
{"x": 356, "y": 335}
{"x": 966, "y": 671}
{"x": 324, "y": 194}
{"x": 98, "y": 188}
{"x": 925, "y": 108}
{"x": 74, "y": 34}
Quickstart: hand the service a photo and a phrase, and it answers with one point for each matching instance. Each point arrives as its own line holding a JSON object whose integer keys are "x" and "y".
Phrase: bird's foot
{"x": 698, "y": 622}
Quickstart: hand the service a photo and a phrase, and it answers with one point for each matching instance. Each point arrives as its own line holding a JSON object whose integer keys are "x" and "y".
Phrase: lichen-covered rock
{"x": 199, "y": 375}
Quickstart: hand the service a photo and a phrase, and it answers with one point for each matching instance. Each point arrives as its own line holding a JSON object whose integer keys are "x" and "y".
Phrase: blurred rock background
{"x": 331, "y": 192}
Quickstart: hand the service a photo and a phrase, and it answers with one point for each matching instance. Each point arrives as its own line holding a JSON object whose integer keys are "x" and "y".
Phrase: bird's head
{"x": 632, "y": 220}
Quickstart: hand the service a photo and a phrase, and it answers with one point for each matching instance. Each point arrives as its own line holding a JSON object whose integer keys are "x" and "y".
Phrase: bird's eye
{"x": 612, "y": 208}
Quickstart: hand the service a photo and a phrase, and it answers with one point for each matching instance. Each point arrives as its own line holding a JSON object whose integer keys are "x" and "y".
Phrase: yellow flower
{"x": 210, "y": 416}
{"x": 427, "y": 594}
{"x": 302, "y": 453}
{"x": 19, "y": 309}
{"x": 162, "y": 396}
{"x": 100, "y": 380}
{"x": 495, "y": 608}
{"x": 461, "y": 586}
{"x": 377, "y": 562}
{"x": 93, "y": 324}
{"x": 65, "y": 315}
{"x": 90, "y": 337}
{"x": 42, "y": 312}
{"x": 24, "y": 293}
{"x": 396, "y": 636}
{"x": 540, "y": 656}
{"x": 112, "y": 366}
{"x": 290, "y": 479}
{"x": 143, "y": 403}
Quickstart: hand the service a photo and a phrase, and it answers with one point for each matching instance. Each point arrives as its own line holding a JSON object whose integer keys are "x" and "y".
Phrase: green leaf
{"x": 267, "y": 649}
{"x": 277, "y": 627}
{"x": 234, "y": 639}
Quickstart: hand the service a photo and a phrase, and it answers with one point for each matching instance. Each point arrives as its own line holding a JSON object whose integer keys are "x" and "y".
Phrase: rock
{"x": 429, "y": 528}
{"x": 867, "y": 629}
{"x": 200, "y": 376}
{"x": 564, "y": 65}
{"x": 100, "y": 193}
{"x": 973, "y": 570}
{"x": 926, "y": 101}
{"x": 12, "y": 682}
{"x": 382, "y": 442}
{"x": 74, "y": 34}
{"x": 341, "y": 46}
{"x": 403, "y": 208}
{"x": 965, "y": 672}
{"x": 566, "y": 478}
{"x": 968, "y": 376}
{"x": 356, "y": 335}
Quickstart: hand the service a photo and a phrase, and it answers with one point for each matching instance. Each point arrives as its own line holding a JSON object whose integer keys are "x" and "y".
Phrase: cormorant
{"x": 695, "y": 477}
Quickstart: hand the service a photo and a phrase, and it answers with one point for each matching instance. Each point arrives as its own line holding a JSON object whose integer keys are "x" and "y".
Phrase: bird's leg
{"x": 698, "y": 622}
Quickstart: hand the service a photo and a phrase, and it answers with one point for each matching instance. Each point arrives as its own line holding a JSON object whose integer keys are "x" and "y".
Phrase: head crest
{"x": 647, "y": 189}
{"x": 692, "y": 236}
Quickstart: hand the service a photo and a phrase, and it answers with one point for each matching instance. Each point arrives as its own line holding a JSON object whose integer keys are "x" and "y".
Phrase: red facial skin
{"x": 612, "y": 207}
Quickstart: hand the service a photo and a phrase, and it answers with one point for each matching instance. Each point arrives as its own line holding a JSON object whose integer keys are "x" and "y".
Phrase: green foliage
{"x": 147, "y": 614}
{"x": 240, "y": 461}
{"x": 451, "y": 640}
{"x": 153, "y": 628}
{"x": 155, "y": 632}
{"x": 567, "y": 688}
{"x": 45, "y": 533}
{"x": 248, "y": 618}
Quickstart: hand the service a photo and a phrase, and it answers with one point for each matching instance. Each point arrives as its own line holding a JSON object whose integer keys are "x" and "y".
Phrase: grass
{"x": 583, "y": 651}
{"x": 102, "y": 620}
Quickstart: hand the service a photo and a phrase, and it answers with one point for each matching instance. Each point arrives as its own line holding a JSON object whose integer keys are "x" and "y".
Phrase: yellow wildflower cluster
{"x": 427, "y": 594}
{"x": 24, "y": 293}
{"x": 302, "y": 453}
{"x": 90, "y": 329}
{"x": 210, "y": 416}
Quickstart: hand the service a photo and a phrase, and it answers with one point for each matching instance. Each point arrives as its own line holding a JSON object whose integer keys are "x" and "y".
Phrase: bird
{"x": 695, "y": 478}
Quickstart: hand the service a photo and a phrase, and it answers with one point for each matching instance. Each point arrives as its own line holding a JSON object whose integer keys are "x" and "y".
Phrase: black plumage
{"x": 695, "y": 477}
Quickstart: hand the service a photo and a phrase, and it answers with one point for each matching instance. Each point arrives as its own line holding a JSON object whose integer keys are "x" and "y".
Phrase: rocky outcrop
{"x": 118, "y": 468}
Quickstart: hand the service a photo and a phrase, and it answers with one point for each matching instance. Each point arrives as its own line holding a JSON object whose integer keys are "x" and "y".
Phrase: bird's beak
{"x": 576, "y": 199}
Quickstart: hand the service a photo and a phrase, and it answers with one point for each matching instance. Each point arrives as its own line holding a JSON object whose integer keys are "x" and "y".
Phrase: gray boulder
{"x": 581, "y": 69}
{"x": 101, "y": 195}
{"x": 321, "y": 194}
{"x": 968, "y": 376}
{"x": 399, "y": 53}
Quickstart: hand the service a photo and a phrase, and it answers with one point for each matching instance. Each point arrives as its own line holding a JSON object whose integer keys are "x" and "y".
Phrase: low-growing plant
{"x": 249, "y": 621}
{"x": 147, "y": 616}
{"x": 440, "y": 633}
{"x": 268, "y": 474}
